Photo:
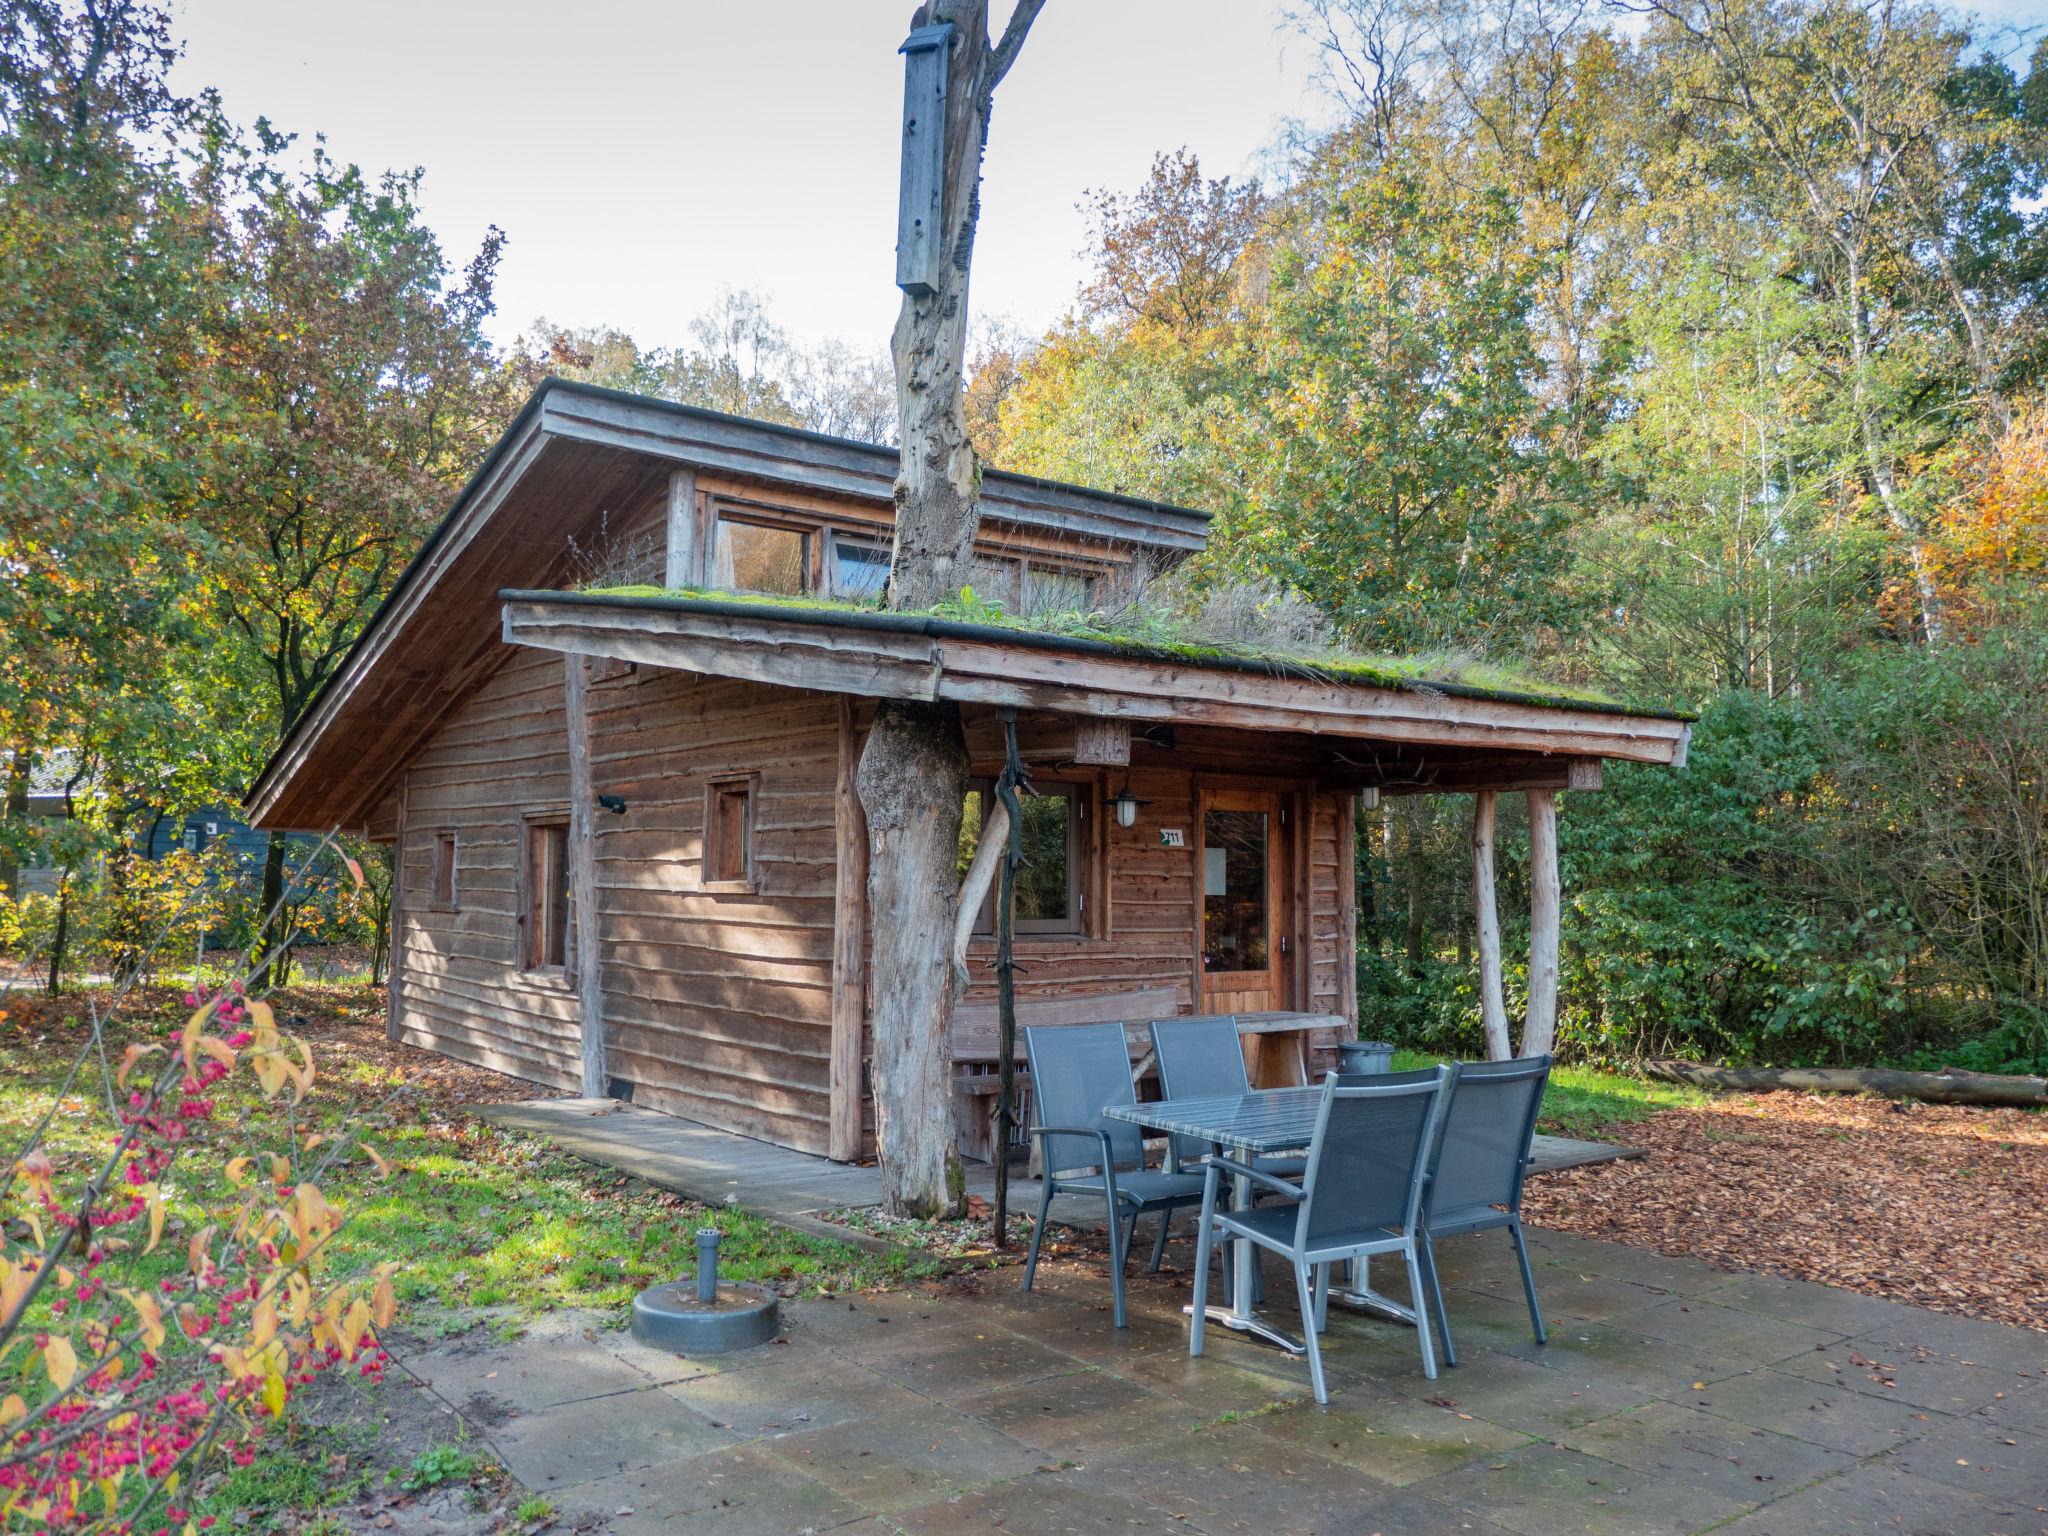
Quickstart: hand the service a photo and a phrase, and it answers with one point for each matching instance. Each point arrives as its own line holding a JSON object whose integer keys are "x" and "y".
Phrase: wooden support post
{"x": 1486, "y": 913}
{"x": 1539, "y": 1028}
{"x": 587, "y": 958}
{"x": 849, "y": 948}
{"x": 683, "y": 569}
{"x": 394, "y": 958}
{"x": 1347, "y": 910}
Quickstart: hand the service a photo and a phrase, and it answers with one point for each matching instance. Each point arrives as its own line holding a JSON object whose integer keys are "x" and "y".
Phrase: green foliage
{"x": 439, "y": 1464}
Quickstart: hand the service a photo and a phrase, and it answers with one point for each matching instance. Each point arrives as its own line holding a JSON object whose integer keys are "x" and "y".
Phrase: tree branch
{"x": 1006, "y": 51}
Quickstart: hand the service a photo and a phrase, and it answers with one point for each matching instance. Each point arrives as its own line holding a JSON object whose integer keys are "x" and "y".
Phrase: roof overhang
{"x": 574, "y": 455}
{"x": 892, "y": 656}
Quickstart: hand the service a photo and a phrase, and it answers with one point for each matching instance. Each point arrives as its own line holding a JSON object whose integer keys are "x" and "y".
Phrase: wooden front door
{"x": 1243, "y": 918}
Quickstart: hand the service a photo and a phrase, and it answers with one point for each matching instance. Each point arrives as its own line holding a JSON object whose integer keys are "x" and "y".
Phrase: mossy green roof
{"x": 971, "y": 617}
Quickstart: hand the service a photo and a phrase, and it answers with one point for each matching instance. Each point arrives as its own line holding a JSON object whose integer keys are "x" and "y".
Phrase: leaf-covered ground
{"x": 1936, "y": 1205}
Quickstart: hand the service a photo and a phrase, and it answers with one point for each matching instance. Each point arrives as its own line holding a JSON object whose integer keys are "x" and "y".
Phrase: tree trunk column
{"x": 1486, "y": 919}
{"x": 1539, "y": 1029}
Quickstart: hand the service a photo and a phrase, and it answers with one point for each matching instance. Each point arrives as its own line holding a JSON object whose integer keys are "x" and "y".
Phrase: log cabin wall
{"x": 717, "y": 1003}
{"x": 499, "y": 758}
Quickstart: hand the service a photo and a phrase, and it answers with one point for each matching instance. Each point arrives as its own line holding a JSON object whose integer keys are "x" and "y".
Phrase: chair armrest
{"x": 1094, "y": 1133}
{"x": 1258, "y": 1176}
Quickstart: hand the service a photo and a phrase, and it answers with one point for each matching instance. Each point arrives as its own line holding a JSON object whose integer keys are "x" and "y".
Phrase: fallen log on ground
{"x": 1984, "y": 1088}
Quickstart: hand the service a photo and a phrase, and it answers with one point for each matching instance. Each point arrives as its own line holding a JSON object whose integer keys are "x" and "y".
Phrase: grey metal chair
{"x": 1368, "y": 1166}
{"x": 1481, "y": 1160}
{"x": 1201, "y": 1058}
{"x": 1078, "y": 1071}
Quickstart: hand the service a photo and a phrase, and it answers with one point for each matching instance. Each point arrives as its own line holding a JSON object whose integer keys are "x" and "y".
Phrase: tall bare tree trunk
{"x": 14, "y": 818}
{"x": 913, "y": 768}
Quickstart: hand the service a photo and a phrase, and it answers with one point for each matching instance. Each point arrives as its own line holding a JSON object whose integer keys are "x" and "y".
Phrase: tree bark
{"x": 1952, "y": 1087}
{"x": 1539, "y": 1026}
{"x": 913, "y": 770}
{"x": 271, "y": 919}
{"x": 1486, "y": 913}
{"x": 913, "y": 775}
{"x": 14, "y": 815}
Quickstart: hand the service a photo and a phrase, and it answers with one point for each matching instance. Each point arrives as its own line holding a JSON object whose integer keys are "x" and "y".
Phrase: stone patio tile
{"x": 2026, "y": 1408}
{"x": 1687, "y": 1445}
{"x": 1873, "y": 1500}
{"x": 1233, "y": 1478}
{"x": 1391, "y": 1438}
{"x": 1749, "y": 1337}
{"x": 1995, "y": 1460}
{"x": 954, "y": 1363}
{"x": 1222, "y": 1380}
{"x": 1516, "y": 1394}
{"x": 1817, "y": 1306}
{"x": 1819, "y": 1412}
{"x": 1084, "y": 1414}
{"x": 579, "y": 1442}
{"x": 658, "y": 1365}
{"x": 797, "y": 1389}
{"x": 740, "y": 1491}
{"x": 1908, "y": 1373}
{"x": 2022, "y": 1350}
{"x": 1045, "y": 1504}
{"x": 1545, "y": 1491}
{"x": 1089, "y": 1333}
{"x": 560, "y": 1360}
{"x": 891, "y": 1330}
{"x": 1565, "y": 1294}
{"x": 837, "y": 1321}
{"x": 888, "y": 1462}
{"x": 1408, "y": 1513}
{"x": 1612, "y": 1354}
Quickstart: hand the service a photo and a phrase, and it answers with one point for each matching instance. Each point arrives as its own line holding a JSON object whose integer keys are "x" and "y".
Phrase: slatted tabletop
{"x": 1266, "y": 1120}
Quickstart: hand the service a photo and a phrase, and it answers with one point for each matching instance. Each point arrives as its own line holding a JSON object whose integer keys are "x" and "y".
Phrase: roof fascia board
{"x": 918, "y": 659}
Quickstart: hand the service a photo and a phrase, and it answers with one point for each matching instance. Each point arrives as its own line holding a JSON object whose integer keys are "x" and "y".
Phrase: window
{"x": 858, "y": 570}
{"x": 1049, "y": 590}
{"x": 729, "y": 835}
{"x": 1049, "y": 879}
{"x": 444, "y": 869}
{"x": 545, "y": 941}
{"x": 755, "y": 557}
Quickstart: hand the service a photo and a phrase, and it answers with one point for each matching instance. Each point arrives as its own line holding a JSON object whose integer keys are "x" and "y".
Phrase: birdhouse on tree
{"x": 920, "y": 240}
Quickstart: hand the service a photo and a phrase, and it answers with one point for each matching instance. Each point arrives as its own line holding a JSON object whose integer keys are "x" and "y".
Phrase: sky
{"x": 641, "y": 155}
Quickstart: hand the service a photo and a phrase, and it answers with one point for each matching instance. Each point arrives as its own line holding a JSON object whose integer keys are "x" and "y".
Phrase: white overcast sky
{"x": 642, "y": 154}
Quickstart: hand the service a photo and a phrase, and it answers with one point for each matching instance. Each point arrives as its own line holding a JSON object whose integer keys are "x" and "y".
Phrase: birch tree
{"x": 913, "y": 769}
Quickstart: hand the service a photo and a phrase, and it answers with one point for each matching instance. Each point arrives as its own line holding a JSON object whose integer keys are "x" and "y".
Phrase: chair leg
{"x": 1204, "y": 1233}
{"x": 1037, "y": 1231}
{"x": 1159, "y": 1242}
{"x": 1528, "y": 1283}
{"x": 1436, "y": 1300}
{"x": 1416, "y": 1291}
{"x": 1117, "y": 1253}
{"x": 1304, "y": 1291}
{"x": 1130, "y": 1236}
{"x": 1322, "y": 1297}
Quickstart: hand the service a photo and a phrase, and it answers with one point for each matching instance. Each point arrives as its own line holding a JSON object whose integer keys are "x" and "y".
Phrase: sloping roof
{"x": 573, "y": 452}
{"x": 908, "y": 656}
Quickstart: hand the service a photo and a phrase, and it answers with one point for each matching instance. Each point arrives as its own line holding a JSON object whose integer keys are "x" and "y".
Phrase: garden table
{"x": 1251, "y": 1125}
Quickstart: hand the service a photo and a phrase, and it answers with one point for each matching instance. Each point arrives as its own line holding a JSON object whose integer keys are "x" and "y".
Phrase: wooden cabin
{"x": 672, "y": 776}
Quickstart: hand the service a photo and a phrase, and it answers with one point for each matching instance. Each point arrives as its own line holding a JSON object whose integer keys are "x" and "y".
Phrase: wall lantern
{"x": 1369, "y": 798}
{"x": 1127, "y": 805}
{"x": 616, "y": 804}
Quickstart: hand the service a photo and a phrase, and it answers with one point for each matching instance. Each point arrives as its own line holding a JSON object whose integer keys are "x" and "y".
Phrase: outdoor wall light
{"x": 1127, "y": 805}
{"x": 616, "y": 804}
{"x": 1369, "y": 798}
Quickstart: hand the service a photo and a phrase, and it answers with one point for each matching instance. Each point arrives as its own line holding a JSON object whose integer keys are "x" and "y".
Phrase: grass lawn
{"x": 1586, "y": 1102}
{"x": 489, "y": 1227}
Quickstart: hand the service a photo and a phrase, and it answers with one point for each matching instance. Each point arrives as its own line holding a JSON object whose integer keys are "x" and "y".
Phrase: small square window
{"x": 1049, "y": 884}
{"x": 755, "y": 557}
{"x": 544, "y": 943}
{"x": 729, "y": 835}
{"x": 444, "y": 869}
{"x": 1050, "y": 590}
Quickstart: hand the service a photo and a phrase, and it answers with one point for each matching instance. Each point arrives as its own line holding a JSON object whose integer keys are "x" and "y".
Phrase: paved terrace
{"x": 1673, "y": 1397}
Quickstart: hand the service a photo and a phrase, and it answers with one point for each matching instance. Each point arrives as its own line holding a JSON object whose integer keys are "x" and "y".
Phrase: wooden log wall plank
{"x": 587, "y": 955}
{"x": 849, "y": 945}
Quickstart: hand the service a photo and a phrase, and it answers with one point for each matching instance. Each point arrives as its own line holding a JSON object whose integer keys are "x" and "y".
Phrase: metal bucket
{"x": 1359, "y": 1057}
